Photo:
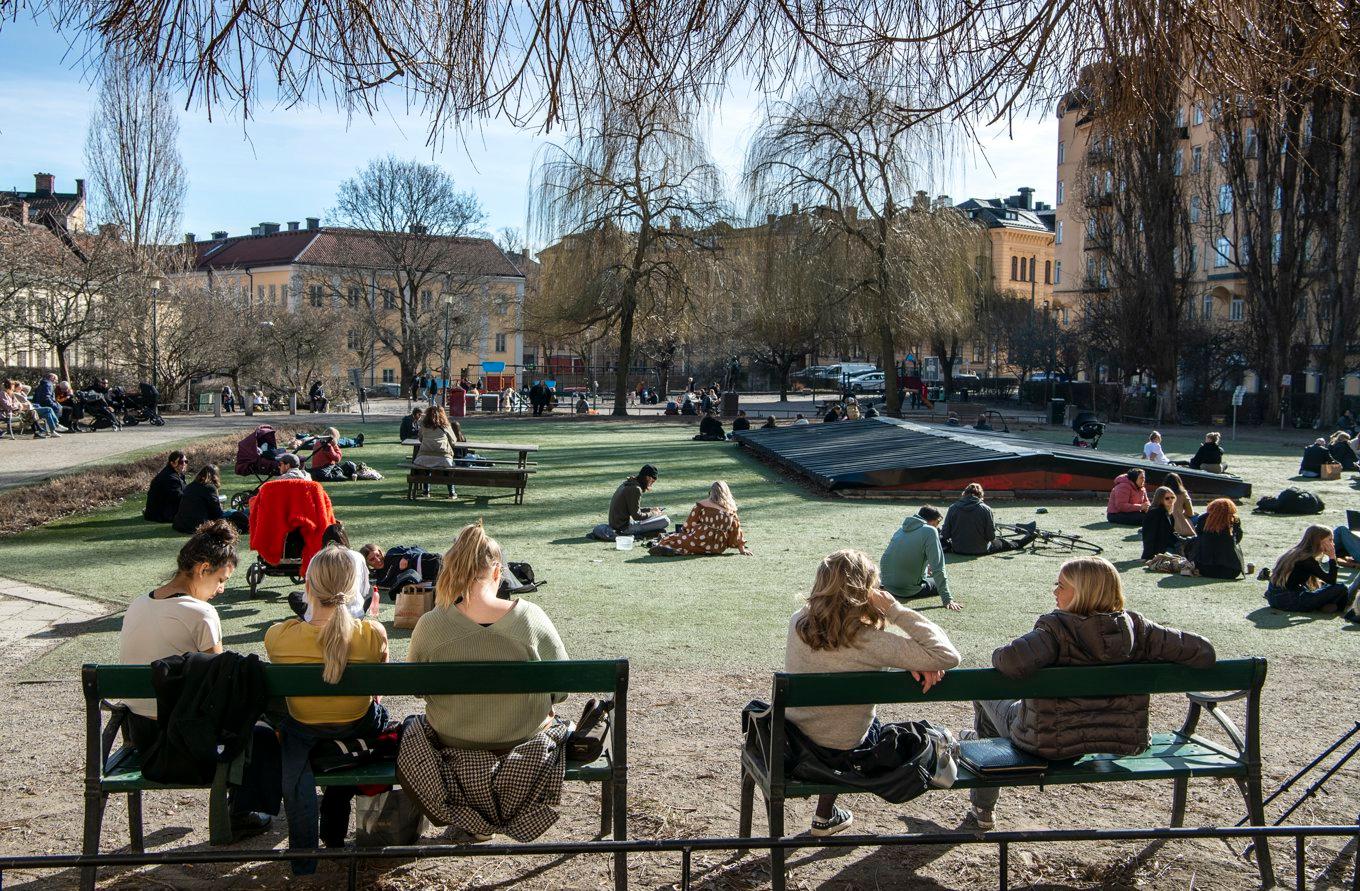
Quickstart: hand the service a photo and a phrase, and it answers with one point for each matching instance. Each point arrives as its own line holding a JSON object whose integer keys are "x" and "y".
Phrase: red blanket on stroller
{"x": 283, "y": 506}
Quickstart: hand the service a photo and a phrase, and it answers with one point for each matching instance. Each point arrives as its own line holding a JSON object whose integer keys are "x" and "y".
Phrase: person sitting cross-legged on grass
{"x": 844, "y": 627}
{"x": 201, "y": 502}
{"x": 1314, "y": 456}
{"x": 627, "y": 516}
{"x": 1304, "y": 578}
{"x": 1089, "y": 627}
{"x": 166, "y": 489}
{"x": 1128, "y": 499}
{"x": 711, "y": 429}
{"x": 913, "y": 564}
{"x": 334, "y": 638}
{"x": 741, "y": 423}
{"x": 1159, "y": 530}
{"x": 179, "y": 618}
{"x": 969, "y": 527}
{"x": 1216, "y": 550}
{"x": 1342, "y": 450}
{"x": 711, "y": 527}
{"x": 469, "y": 623}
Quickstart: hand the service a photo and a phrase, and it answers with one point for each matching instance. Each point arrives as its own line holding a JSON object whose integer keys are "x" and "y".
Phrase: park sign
{"x": 1239, "y": 395}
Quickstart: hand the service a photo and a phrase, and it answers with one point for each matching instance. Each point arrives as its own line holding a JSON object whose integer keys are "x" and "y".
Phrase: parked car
{"x": 383, "y": 391}
{"x": 836, "y": 374}
{"x": 811, "y": 374}
{"x": 871, "y": 382}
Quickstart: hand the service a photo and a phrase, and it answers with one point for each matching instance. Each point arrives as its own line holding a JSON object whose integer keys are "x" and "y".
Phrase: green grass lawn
{"x": 718, "y": 614}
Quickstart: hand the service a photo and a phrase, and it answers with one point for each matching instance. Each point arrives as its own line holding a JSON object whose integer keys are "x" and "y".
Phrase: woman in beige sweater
{"x": 845, "y": 627}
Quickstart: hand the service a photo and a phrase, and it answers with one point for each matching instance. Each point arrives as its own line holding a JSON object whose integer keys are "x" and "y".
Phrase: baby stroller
{"x": 96, "y": 407}
{"x": 255, "y": 457}
{"x": 290, "y": 521}
{"x": 143, "y": 407}
{"x": 1087, "y": 430}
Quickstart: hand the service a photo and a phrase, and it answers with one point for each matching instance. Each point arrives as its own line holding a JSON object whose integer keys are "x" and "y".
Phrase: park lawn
{"x": 724, "y": 614}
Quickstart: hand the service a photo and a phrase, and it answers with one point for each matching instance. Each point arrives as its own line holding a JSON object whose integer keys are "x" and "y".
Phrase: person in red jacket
{"x": 1128, "y": 499}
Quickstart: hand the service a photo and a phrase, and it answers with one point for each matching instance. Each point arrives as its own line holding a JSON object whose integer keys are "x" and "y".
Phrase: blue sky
{"x": 285, "y": 164}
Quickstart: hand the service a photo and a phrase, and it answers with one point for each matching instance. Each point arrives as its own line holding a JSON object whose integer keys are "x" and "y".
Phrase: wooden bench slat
{"x": 400, "y": 678}
{"x": 881, "y": 687}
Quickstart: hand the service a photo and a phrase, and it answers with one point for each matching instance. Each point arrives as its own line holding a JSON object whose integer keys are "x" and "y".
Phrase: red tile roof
{"x": 251, "y": 251}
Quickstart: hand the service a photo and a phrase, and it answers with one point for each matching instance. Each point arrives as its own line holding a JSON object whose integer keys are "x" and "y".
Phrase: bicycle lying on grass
{"x": 1052, "y": 541}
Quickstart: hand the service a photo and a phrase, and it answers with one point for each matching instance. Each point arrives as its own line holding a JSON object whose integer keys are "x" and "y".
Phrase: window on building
{"x": 1015, "y": 268}
{"x": 1194, "y": 258}
{"x": 1064, "y": 315}
{"x": 389, "y": 376}
{"x": 317, "y": 295}
{"x": 1109, "y": 182}
{"x": 1060, "y": 191}
{"x": 1216, "y": 110}
{"x": 353, "y": 297}
{"x": 1090, "y": 270}
{"x": 1091, "y": 228}
{"x": 1048, "y": 272}
{"x": 273, "y": 294}
{"x": 1033, "y": 265}
{"x": 1058, "y": 232}
{"x": 1194, "y": 208}
{"x": 426, "y": 300}
{"x": 259, "y": 297}
{"x": 1062, "y": 152}
{"x": 1222, "y": 249}
{"x": 1237, "y": 309}
{"x": 1199, "y": 113}
{"x": 1225, "y": 198}
{"x": 352, "y": 339}
{"x": 1249, "y": 143}
{"x": 500, "y": 343}
{"x": 1222, "y": 150}
{"x": 502, "y": 307}
{"x": 1276, "y": 245}
{"x": 1207, "y": 312}
{"x": 1104, "y": 274}
{"x": 1196, "y": 159}
{"x": 1244, "y": 250}
{"x": 389, "y": 300}
{"x": 1178, "y": 162}
{"x": 1180, "y": 115}
{"x": 1057, "y": 272}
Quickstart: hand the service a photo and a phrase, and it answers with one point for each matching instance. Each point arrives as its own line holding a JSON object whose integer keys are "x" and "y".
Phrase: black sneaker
{"x": 1351, "y": 617}
{"x": 249, "y": 824}
{"x": 840, "y": 820}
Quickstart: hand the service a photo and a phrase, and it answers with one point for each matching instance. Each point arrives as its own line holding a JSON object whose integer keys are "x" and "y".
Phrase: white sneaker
{"x": 61, "y": 429}
{"x": 54, "y": 433}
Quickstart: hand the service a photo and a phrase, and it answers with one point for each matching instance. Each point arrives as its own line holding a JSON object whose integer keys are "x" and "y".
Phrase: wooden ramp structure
{"x": 886, "y": 456}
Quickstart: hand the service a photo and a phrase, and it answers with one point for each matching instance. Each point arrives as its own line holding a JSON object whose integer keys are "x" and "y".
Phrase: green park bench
{"x": 1177, "y": 755}
{"x": 118, "y": 772}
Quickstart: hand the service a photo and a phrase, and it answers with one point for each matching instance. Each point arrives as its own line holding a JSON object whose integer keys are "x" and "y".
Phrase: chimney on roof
{"x": 943, "y": 201}
{"x": 189, "y": 238}
{"x": 254, "y": 230}
{"x": 1026, "y": 197}
{"x": 23, "y": 212}
{"x": 269, "y": 228}
{"x": 292, "y": 225}
{"x": 313, "y": 223}
{"x": 1041, "y": 205}
{"x": 418, "y": 229}
{"x": 43, "y": 183}
{"x": 795, "y": 208}
{"x": 219, "y": 235}
{"x": 80, "y": 188}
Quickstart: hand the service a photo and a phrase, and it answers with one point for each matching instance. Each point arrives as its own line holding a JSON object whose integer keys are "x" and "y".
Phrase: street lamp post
{"x": 155, "y": 339}
{"x": 448, "y": 342}
{"x": 1051, "y": 324}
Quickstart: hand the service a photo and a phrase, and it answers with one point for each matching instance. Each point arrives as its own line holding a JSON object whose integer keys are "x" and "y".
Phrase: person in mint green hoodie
{"x": 914, "y": 549}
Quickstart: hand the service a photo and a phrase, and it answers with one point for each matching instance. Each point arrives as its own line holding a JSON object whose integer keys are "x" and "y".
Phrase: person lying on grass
{"x": 1304, "y": 578}
{"x": 309, "y": 441}
{"x": 711, "y": 528}
{"x": 913, "y": 564}
{"x": 334, "y": 638}
{"x": 844, "y": 627}
{"x": 402, "y": 565}
{"x": 1089, "y": 627}
{"x": 178, "y": 618}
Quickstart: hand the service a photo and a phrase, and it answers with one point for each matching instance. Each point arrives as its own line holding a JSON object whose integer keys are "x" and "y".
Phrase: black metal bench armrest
{"x": 118, "y": 721}
{"x": 1202, "y": 702}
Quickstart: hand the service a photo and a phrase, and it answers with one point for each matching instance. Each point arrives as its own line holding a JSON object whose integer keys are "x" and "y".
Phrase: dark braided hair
{"x": 213, "y": 543}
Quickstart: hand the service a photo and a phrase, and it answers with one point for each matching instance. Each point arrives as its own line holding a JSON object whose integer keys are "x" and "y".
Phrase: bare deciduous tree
{"x": 132, "y": 152}
{"x": 412, "y": 216}
{"x": 628, "y": 193}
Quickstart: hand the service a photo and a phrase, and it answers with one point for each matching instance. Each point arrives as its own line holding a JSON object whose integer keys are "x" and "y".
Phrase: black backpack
{"x": 1292, "y": 501}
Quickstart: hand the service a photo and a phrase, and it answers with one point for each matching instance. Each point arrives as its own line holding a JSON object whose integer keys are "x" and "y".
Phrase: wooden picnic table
{"x": 522, "y": 448}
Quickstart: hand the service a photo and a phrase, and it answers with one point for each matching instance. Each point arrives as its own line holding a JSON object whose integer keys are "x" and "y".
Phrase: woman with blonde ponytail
{"x": 470, "y": 623}
{"x": 336, "y": 580}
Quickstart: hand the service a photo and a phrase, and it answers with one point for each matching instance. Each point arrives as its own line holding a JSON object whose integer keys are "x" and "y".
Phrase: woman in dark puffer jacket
{"x": 1089, "y": 627}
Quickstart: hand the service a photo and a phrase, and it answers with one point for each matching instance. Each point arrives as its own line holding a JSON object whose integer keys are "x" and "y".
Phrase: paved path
{"x": 27, "y": 460}
{"x": 29, "y": 613}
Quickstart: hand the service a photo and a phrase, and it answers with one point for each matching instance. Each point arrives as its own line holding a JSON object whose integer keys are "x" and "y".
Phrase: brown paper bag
{"x": 412, "y": 603}
{"x": 1331, "y": 471}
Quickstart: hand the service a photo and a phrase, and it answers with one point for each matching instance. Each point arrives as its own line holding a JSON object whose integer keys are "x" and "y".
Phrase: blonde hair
{"x": 1339, "y": 437}
{"x": 472, "y": 555}
{"x": 1213, "y": 437}
{"x": 838, "y": 608}
{"x": 333, "y": 434}
{"x": 721, "y": 495}
{"x": 1097, "y": 586}
{"x": 1154, "y": 436}
{"x": 1308, "y": 547}
{"x": 333, "y": 580}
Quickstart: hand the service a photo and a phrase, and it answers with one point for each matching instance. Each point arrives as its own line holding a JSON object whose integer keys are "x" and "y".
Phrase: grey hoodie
{"x": 912, "y": 549}
{"x": 1116, "y": 725}
{"x": 968, "y": 526}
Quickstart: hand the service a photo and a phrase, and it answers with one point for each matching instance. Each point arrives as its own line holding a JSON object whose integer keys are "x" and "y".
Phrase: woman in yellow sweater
{"x": 336, "y": 579}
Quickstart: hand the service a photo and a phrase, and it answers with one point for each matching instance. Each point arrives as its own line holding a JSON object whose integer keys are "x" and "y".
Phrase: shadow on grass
{"x": 1270, "y": 619}
{"x": 1176, "y": 580}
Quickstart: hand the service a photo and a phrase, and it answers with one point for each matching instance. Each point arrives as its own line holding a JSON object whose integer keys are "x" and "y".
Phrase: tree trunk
{"x": 626, "y": 313}
{"x": 62, "y": 366}
{"x": 888, "y": 352}
{"x": 784, "y": 379}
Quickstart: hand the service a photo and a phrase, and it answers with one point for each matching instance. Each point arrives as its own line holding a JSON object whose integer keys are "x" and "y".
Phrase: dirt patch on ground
{"x": 683, "y": 781}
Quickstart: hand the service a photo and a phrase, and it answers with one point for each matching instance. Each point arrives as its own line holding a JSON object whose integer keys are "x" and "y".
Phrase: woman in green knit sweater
{"x": 469, "y": 623}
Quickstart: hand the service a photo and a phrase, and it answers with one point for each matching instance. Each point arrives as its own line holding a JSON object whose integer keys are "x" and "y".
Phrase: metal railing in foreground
{"x": 687, "y": 846}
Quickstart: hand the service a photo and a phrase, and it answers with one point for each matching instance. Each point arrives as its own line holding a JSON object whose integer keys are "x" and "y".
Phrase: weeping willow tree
{"x": 628, "y": 197}
{"x": 855, "y": 154}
